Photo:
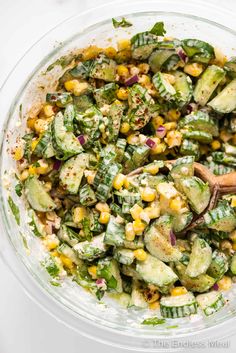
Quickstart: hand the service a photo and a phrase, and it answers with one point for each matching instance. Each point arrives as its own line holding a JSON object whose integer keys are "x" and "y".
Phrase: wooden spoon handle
{"x": 227, "y": 182}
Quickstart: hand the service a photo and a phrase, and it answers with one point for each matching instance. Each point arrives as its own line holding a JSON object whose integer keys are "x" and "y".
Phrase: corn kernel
{"x": 51, "y": 242}
{"x": 104, "y": 217}
{"x": 126, "y": 183}
{"x": 194, "y": 69}
{"x": 173, "y": 114}
{"x": 24, "y": 175}
{"x": 133, "y": 139}
{"x": 173, "y": 138}
{"x": 123, "y": 55}
{"x": 34, "y": 144}
{"x": 170, "y": 78}
{"x": 32, "y": 170}
{"x": 151, "y": 294}
{"x": 135, "y": 211}
{"x": 91, "y": 52}
{"x": 129, "y": 232}
{"x": 178, "y": 291}
{"x": 157, "y": 121}
{"x": 232, "y": 236}
{"x": 158, "y": 149}
{"x": 122, "y": 94}
{"x": 122, "y": 71}
{"x": 225, "y": 245}
{"x": 144, "y": 80}
{"x": 233, "y": 201}
{"x": 151, "y": 169}
{"x": 140, "y": 254}
{"x": 220, "y": 58}
{"x": 139, "y": 226}
{"x": 79, "y": 213}
{"x": 215, "y": 145}
{"x": 170, "y": 126}
{"x": 31, "y": 122}
{"x": 48, "y": 186}
{"x": 41, "y": 125}
{"x": 176, "y": 205}
{"x": 76, "y": 87}
{"x": 110, "y": 52}
{"x": 154, "y": 306}
{"x": 18, "y": 153}
{"x": 234, "y": 246}
{"x": 102, "y": 207}
{"x": 148, "y": 194}
{"x": 225, "y": 283}
{"x": 42, "y": 168}
{"x": 225, "y": 136}
{"x": 124, "y": 128}
{"x": 153, "y": 212}
{"x": 124, "y": 44}
{"x": 48, "y": 110}
{"x": 66, "y": 261}
{"x": 143, "y": 68}
{"x": 92, "y": 270}
{"x": 90, "y": 175}
{"x": 118, "y": 181}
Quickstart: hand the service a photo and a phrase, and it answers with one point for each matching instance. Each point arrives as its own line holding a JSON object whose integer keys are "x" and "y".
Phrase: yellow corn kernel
{"x": 170, "y": 78}
{"x": 122, "y": 94}
{"x": 152, "y": 212}
{"x": 110, "y": 52}
{"x": 76, "y": 87}
{"x": 124, "y": 128}
{"x": 126, "y": 183}
{"x": 143, "y": 68}
{"x": 167, "y": 39}
{"x": 51, "y": 242}
{"x": 158, "y": 149}
{"x": 41, "y": 125}
{"x": 133, "y": 139}
{"x": 34, "y": 144}
{"x": 118, "y": 181}
{"x": 24, "y": 175}
{"x": 233, "y": 201}
{"x": 178, "y": 291}
{"x": 102, "y": 207}
{"x": 157, "y": 121}
{"x": 144, "y": 80}
{"x": 129, "y": 232}
{"x": 154, "y": 306}
{"x": 234, "y": 246}
{"x": 104, "y": 217}
{"x": 18, "y": 153}
{"x": 232, "y": 236}
{"x": 32, "y": 170}
{"x": 225, "y": 283}
{"x": 225, "y": 245}
{"x": 194, "y": 69}
{"x": 79, "y": 213}
{"x": 135, "y": 211}
{"x": 123, "y": 44}
{"x": 173, "y": 138}
{"x": 225, "y": 136}
{"x": 139, "y": 226}
{"x": 140, "y": 254}
{"x": 152, "y": 169}
{"x": 173, "y": 114}
{"x": 170, "y": 126}
{"x": 122, "y": 70}
{"x": 31, "y": 122}
{"x": 91, "y": 52}
{"x": 220, "y": 58}
{"x": 54, "y": 253}
{"x": 43, "y": 167}
{"x": 48, "y": 186}
{"x": 176, "y": 205}
{"x": 148, "y": 194}
{"x": 215, "y": 145}
{"x": 90, "y": 175}
{"x": 123, "y": 55}
{"x": 66, "y": 261}
{"x": 92, "y": 270}
{"x": 48, "y": 110}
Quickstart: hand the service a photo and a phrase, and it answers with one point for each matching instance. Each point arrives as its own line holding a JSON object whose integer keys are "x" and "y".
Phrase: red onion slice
{"x": 161, "y": 131}
{"x": 81, "y": 139}
{"x": 132, "y": 80}
{"x": 172, "y": 238}
{"x": 101, "y": 283}
{"x": 182, "y": 55}
{"x": 215, "y": 286}
{"x": 150, "y": 143}
{"x": 56, "y": 165}
{"x": 191, "y": 107}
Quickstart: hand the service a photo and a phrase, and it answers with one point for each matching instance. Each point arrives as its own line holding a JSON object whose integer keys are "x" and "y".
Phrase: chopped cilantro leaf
{"x": 122, "y": 23}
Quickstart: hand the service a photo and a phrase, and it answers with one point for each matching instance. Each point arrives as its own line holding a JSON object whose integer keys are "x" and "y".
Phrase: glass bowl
{"x": 21, "y": 96}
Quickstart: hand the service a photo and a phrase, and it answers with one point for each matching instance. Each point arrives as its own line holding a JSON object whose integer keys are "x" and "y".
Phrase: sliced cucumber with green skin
{"x": 67, "y": 251}
{"x": 181, "y": 221}
{"x": 198, "y": 50}
{"x": 134, "y": 157}
{"x": 108, "y": 269}
{"x": 229, "y": 149}
{"x": 200, "y": 136}
{"x": 164, "y": 88}
{"x": 197, "y": 192}
{"x": 137, "y": 243}
{"x": 200, "y": 258}
{"x": 105, "y": 94}
{"x": 156, "y": 272}
{"x": 83, "y": 102}
{"x": 210, "y": 302}
{"x": 64, "y": 142}
{"x": 164, "y": 225}
{"x": 183, "y": 167}
{"x": 217, "y": 168}
{"x": 190, "y": 148}
{"x": 115, "y": 233}
{"x": 219, "y": 265}
{"x": 207, "y": 84}
{"x": 82, "y": 69}
{"x": 179, "y": 306}
{"x": 42, "y": 143}
{"x": 89, "y": 123}
{"x": 171, "y": 63}
{"x": 230, "y": 67}
{"x": 233, "y": 264}
{"x": 37, "y": 196}
{"x": 60, "y": 99}
{"x": 68, "y": 235}
{"x": 114, "y": 120}
{"x": 103, "y": 68}
{"x": 129, "y": 271}
{"x": 221, "y": 157}
{"x": 72, "y": 171}
{"x": 104, "y": 188}
{"x": 36, "y": 225}
{"x": 120, "y": 149}
{"x": 124, "y": 256}
{"x": 69, "y": 116}
{"x": 159, "y": 57}
{"x": 198, "y": 284}
{"x": 183, "y": 86}
{"x": 225, "y": 101}
{"x": 87, "y": 195}
{"x": 142, "y": 45}
{"x": 91, "y": 250}
{"x": 221, "y": 218}
{"x": 137, "y": 297}
{"x": 201, "y": 121}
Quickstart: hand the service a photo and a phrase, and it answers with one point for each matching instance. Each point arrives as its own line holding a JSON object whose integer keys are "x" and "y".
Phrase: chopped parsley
{"x": 14, "y": 209}
{"x": 18, "y": 189}
{"x": 123, "y": 23}
{"x": 158, "y": 29}
{"x": 153, "y": 321}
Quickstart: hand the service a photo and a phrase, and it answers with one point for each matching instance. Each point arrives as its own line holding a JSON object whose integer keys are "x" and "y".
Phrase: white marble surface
{"x": 24, "y": 327}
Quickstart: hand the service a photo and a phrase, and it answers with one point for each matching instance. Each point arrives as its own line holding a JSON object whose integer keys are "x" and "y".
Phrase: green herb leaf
{"x": 63, "y": 61}
{"x": 122, "y": 23}
{"x": 18, "y": 189}
{"x": 153, "y": 321}
{"x": 51, "y": 267}
{"x": 55, "y": 284}
{"x": 158, "y": 29}
{"x": 14, "y": 209}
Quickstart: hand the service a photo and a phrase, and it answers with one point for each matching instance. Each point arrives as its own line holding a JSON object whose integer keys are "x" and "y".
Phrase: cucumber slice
{"x": 36, "y": 225}
{"x": 87, "y": 195}
{"x": 183, "y": 167}
{"x": 219, "y": 265}
{"x": 142, "y": 45}
{"x": 134, "y": 157}
{"x": 197, "y": 192}
{"x": 72, "y": 171}
{"x": 137, "y": 243}
{"x": 42, "y": 144}
{"x": 199, "y": 284}
{"x": 67, "y": 235}
{"x": 221, "y": 218}
{"x": 200, "y": 121}
{"x": 154, "y": 271}
{"x": 198, "y": 50}
{"x": 37, "y": 196}
{"x": 89, "y": 123}
{"x": 221, "y": 157}
{"x": 200, "y": 258}
{"x": 183, "y": 87}
{"x": 179, "y": 306}
{"x": 225, "y": 101}
{"x": 115, "y": 233}
{"x": 229, "y": 149}
{"x": 191, "y": 148}
{"x": 201, "y": 136}
{"x": 210, "y": 302}
{"x": 137, "y": 297}
{"x": 83, "y": 102}
{"x": 114, "y": 120}
{"x": 207, "y": 84}
{"x": 108, "y": 269}
{"x": 67, "y": 251}
{"x": 103, "y": 68}
{"x": 65, "y": 143}
{"x": 82, "y": 69}
{"x": 105, "y": 94}
{"x": 124, "y": 256}
{"x": 104, "y": 188}
{"x": 158, "y": 58}
{"x": 164, "y": 225}
{"x": 69, "y": 116}
{"x": 230, "y": 67}
{"x": 164, "y": 88}
{"x": 61, "y": 99}
{"x": 181, "y": 221}
{"x": 217, "y": 168}
{"x": 91, "y": 250}
{"x": 233, "y": 264}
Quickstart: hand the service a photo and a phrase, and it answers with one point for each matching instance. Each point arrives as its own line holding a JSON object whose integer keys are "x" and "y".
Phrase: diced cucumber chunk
{"x": 217, "y": 168}
{"x": 142, "y": 45}
{"x": 230, "y": 67}
{"x": 183, "y": 167}
{"x": 103, "y": 68}
{"x": 229, "y": 149}
{"x": 67, "y": 251}
{"x": 124, "y": 256}
{"x": 108, "y": 269}
{"x": 179, "y": 306}
{"x": 105, "y": 94}
{"x": 159, "y": 57}
{"x": 89, "y": 123}
{"x": 183, "y": 87}
{"x": 114, "y": 120}
{"x": 36, "y": 225}
{"x": 137, "y": 243}
{"x": 137, "y": 297}
{"x": 181, "y": 221}
{"x": 164, "y": 88}
{"x": 91, "y": 250}
{"x": 87, "y": 195}
{"x": 68, "y": 235}
{"x": 115, "y": 233}
{"x": 221, "y": 218}
{"x": 69, "y": 116}
{"x": 200, "y": 121}
{"x": 200, "y": 258}
{"x": 219, "y": 265}
{"x": 198, "y": 50}
{"x": 225, "y": 101}
{"x": 37, "y": 196}
{"x": 61, "y": 99}
{"x": 190, "y": 148}
{"x": 233, "y": 264}
{"x": 201, "y": 136}
{"x": 210, "y": 302}
{"x": 221, "y": 157}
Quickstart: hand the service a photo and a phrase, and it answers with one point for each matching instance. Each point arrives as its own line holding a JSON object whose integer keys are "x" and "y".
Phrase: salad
{"x": 113, "y": 227}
